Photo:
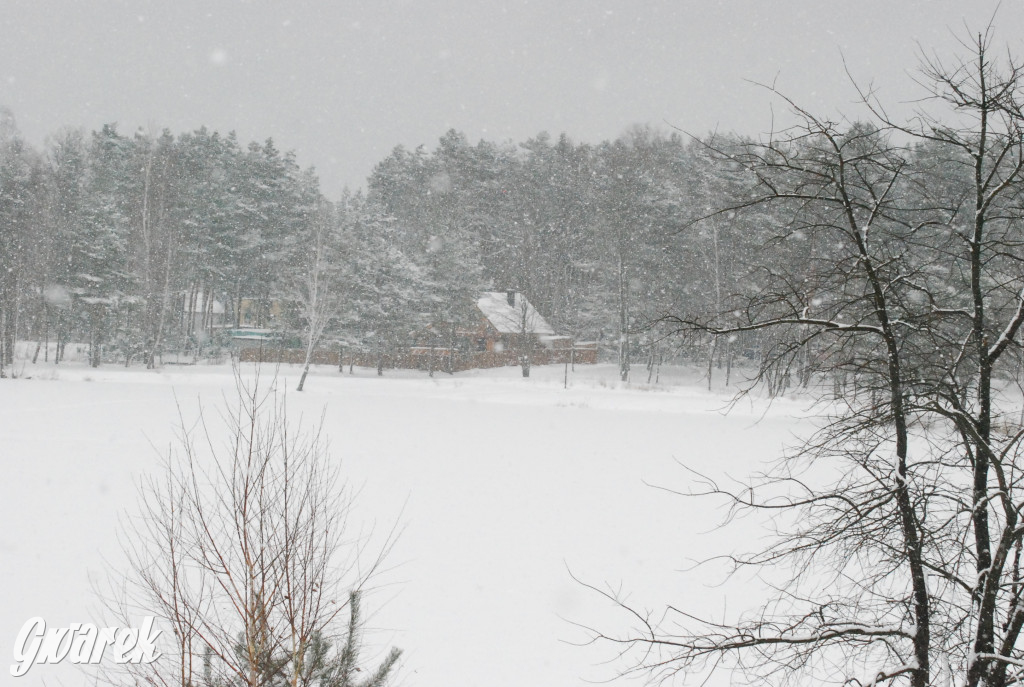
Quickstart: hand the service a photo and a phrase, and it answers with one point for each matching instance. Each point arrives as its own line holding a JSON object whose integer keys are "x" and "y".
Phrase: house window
{"x": 481, "y": 344}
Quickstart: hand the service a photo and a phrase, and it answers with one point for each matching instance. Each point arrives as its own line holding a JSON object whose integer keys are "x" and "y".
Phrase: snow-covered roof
{"x": 508, "y": 318}
{"x": 217, "y": 309}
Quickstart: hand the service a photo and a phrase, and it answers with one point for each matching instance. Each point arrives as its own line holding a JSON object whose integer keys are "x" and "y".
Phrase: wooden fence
{"x": 420, "y": 358}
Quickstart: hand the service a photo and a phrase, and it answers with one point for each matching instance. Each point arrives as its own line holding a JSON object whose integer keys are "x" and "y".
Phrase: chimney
{"x": 511, "y": 295}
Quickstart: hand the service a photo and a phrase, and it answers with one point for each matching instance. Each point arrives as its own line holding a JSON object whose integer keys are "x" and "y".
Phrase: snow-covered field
{"x": 504, "y": 488}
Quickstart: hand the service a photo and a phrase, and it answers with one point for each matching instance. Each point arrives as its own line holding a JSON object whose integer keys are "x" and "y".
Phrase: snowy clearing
{"x": 501, "y": 486}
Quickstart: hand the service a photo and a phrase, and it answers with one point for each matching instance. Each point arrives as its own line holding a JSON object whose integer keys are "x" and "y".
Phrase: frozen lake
{"x": 503, "y": 489}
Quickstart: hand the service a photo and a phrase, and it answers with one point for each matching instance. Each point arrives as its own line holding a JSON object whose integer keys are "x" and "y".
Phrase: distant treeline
{"x": 142, "y": 245}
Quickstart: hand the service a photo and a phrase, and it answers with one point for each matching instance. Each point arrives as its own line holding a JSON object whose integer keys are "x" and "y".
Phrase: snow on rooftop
{"x": 200, "y": 299}
{"x": 508, "y": 318}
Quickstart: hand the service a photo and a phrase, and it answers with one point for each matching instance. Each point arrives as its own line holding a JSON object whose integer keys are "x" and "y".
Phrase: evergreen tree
{"x": 385, "y": 289}
{"x": 100, "y": 276}
{"x": 20, "y": 205}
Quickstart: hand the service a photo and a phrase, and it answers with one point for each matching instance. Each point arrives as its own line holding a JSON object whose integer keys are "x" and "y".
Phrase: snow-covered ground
{"x": 504, "y": 489}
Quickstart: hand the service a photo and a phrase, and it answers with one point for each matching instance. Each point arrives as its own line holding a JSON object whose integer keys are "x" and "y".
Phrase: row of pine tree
{"x": 148, "y": 245}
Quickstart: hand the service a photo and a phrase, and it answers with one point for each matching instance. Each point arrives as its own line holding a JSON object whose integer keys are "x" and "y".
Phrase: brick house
{"x": 506, "y": 325}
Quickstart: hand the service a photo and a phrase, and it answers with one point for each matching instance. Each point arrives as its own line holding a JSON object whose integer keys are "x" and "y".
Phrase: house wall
{"x": 249, "y": 311}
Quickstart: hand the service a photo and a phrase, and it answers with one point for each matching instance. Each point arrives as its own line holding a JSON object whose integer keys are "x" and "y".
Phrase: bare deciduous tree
{"x": 316, "y": 290}
{"x": 242, "y": 553}
{"x": 899, "y": 266}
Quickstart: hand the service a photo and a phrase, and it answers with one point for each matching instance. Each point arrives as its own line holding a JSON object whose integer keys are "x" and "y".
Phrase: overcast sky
{"x": 342, "y": 82}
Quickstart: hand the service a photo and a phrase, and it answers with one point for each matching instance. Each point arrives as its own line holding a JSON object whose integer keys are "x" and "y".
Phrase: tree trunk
{"x": 711, "y": 358}
{"x": 3, "y": 340}
{"x": 451, "y": 351}
{"x": 623, "y": 320}
{"x": 730, "y": 352}
{"x": 58, "y": 352}
{"x": 94, "y": 339}
{"x": 46, "y": 337}
{"x": 165, "y": 302}
{"x": 525, "y": 354}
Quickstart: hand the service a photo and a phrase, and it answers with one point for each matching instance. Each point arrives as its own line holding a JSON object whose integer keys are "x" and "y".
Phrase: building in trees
{"x": 501, "y": 328}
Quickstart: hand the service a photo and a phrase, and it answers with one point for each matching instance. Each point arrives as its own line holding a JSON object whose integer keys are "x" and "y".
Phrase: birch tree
{"x": 317, "y": 286}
